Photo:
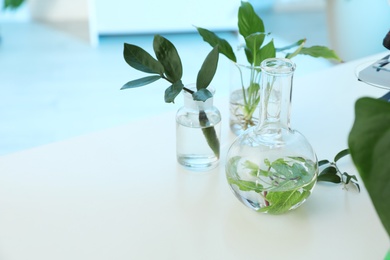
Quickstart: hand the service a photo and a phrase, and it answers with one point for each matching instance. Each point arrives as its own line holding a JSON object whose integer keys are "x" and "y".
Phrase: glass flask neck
{"x": 190, "y": 103}
{"x": 275, "y": 95}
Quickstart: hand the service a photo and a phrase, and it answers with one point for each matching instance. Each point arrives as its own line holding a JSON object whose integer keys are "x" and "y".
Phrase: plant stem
{"x": 265, "y": 198}
{"x": 208, "y": 131}
{"x": 188, "y": 90}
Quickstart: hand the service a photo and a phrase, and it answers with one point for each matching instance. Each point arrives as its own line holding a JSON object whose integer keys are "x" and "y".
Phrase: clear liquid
{"x": 193, "y": 151}
{"x": 272, "y": 194}
{"x": 239, "y": 120}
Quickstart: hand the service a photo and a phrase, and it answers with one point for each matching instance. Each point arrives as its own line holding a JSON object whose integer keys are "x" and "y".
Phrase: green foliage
{"x": 207, "y": 71}
{"x": 251, "y": 28}
{"x": 168, "y": 66}
{"x": 166, "y": 53}
{"x": 291, "y": 181}
{"x": 282, "y": 201}
{"x": 223, "y": 45}
{"x": 210, "y": 133}
{"x": 12, "y": 4}
{"x": 369, "y": 143}
{"x": 331, "y": 172}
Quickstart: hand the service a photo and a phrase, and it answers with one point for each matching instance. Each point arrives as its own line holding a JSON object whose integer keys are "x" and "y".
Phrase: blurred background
{"x": 61, "y": 61}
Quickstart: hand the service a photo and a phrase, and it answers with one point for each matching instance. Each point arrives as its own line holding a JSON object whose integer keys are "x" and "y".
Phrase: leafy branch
{"x": 251, "y": 28}
{"x": 281, "y": 184}
{"x": 257, "y": 49}
{"x": 168, "y": 66}
{"x": 331, "y": 172}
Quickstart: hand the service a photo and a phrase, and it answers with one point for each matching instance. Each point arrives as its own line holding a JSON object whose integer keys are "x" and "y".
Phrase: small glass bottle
{"x": 270, "y": 167}
{"x": 198, "y": 131}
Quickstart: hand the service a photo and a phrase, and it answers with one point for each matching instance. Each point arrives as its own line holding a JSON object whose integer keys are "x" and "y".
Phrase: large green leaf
{"x": 141, "y": 60}
{"x": 208, "y": 69}
{"x": 252, "y": 46}
{"x": 172, "y": 91}
{"x": 282, "y": 201}
{"x": 248, "y": 21}
{"x": 267, "y": 51}
{"x": 223, "y": 46}
{"x": 167, "y": 54}
{"x": 141, "y": 82}
{"x": 320, "y": 52}
{"x": 369, "y": 146}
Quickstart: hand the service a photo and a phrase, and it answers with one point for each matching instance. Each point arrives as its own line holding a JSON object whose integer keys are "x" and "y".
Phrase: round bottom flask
{"x": 272, "y": 168}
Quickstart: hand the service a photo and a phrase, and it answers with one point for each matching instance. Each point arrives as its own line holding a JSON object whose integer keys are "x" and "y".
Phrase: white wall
{"x": 299, "y": 5}
{"x": 58, "y": 10}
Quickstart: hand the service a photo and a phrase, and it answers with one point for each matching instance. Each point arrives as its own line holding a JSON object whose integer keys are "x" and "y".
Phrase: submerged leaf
{"x": 282, "y": 201}
{"x": 209, "y": 132}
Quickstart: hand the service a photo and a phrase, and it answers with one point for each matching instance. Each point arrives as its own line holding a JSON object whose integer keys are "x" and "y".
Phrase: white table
{"x": 119, "y": 194}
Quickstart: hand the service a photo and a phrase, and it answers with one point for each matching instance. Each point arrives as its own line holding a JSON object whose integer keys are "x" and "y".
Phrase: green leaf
{"x": 233, "y": 178}
{"x": 282, "y": 201}
{"x": 329, "y": 174}
{"x": 140, "y": 82}
{"x": 252, "y": 45}
{"x": 323, "y": 162}
{"x": 267, "y": 51}
{"x": 223, "y": 46}
{"x": 296, "y": 44}
{"x": 320, "y": 52}
{"x": 209, "y": 133}
{"x": 208, "y": 69}
{"x": 172, "y": 92}
{"x": 167, "y": 54}
{"x": 253, "y": 167}
{"x": 246, "y": 185}
{"x": 139, "y": 59}
{"x": 300, "y": 44}
{"x": 248, "y": 21}
{"x": 369, "y": 143}
{"x": 341, "y": 154}
{"x": 202, "y": 95}
{"x": 212, "y": 139}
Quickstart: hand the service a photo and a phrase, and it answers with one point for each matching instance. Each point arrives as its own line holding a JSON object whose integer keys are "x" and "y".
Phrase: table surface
{"x": 120, "y": 194}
